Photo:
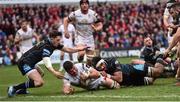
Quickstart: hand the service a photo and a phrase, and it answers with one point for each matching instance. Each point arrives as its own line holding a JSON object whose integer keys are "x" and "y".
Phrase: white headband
{"x": 99, "y": 63}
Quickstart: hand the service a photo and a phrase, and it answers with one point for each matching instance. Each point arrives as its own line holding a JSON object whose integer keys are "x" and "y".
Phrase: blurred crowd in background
{"x": 125, "y": 24}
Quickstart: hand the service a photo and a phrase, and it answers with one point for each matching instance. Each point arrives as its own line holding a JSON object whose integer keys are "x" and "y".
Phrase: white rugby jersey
{"x": 28, "y": 34}
{"x": 71, "y": 31}
{"x": 71, "y": 80}
{"x": 83, "y": 22}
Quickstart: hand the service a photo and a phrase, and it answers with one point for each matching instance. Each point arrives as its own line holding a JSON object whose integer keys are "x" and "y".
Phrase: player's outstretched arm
{"x": 48, "y": 65}
{"x": 75, "y": 49}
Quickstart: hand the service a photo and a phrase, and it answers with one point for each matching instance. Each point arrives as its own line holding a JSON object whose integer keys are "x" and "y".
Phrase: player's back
{"x": 112, "y": 65}
{"x": 37, "y": 52}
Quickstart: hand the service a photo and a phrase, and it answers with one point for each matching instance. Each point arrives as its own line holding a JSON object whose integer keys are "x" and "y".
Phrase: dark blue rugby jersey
{"x": 36, "y": 53}
{"x": 149, "y": 54}
{"x": 112, "y": 65}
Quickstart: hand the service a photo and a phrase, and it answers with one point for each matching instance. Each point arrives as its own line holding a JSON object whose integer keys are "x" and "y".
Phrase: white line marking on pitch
{"x": 102, "y": 96}
{"x": 106, "y": 96}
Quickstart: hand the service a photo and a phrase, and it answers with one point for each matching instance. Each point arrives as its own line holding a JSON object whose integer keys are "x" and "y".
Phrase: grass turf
{"x": 162, "y": 90}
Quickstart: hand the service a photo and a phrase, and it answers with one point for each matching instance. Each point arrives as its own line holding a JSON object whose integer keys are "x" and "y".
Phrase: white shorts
{"x": 67, "y": 42}
{"x": 89, "y": 41}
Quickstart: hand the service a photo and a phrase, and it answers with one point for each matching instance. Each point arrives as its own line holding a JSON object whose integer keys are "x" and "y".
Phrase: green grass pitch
{"x": 162, "y": 90}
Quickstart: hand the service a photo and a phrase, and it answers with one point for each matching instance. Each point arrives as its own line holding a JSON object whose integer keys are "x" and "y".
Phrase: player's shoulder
{"x": 29, "y": 28}
{"x": 81, "y": 66}
{"x": 61, "y": 27}
{"x": 92, "y": 12}
{"x": 45, "y": 43}
{"x": 66, "y": 75}
{"x": 78, "y": 65}
{"x": 20, "y": 31}
{"x": 77, "y": 12}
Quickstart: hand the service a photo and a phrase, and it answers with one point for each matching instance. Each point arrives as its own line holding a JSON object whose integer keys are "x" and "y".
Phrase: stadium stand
{"x": 125, "y": 24}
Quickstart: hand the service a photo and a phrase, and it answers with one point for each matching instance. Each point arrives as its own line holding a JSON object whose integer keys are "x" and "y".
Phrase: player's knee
{"x": 39, "y": 83}
{"x": 157, "y": 73}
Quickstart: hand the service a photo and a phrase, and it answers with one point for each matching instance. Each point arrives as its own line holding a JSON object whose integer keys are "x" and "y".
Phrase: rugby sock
{"x": 28, "y": 84}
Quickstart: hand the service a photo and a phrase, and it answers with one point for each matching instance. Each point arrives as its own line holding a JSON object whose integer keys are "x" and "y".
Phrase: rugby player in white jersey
{"x": 86, "y": 21}
{"x": 24, "y": 37}
{"x": 81, "y": 75}
{"x": 69, "y": 42}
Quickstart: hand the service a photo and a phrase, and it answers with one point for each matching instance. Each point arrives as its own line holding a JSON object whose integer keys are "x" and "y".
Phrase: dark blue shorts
{"x": 24, "y": 67}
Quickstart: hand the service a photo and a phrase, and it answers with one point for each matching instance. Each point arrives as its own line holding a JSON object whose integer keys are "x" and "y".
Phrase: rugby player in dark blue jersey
{"x": 149, "y": 53}
{"x": 128, "y": 74}
{"x": 41, "y": 51}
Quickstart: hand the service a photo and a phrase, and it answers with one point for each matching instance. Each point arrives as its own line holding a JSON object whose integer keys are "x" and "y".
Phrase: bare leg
{"x": 178, "y": 61}
{"x": 90, "y": 55}
{"x": 62, "y": 60}
{"x": 80, "y": 54}
{"x": 35, "y": 80}
{"x": 39, "y": 69}
{"x": 178, "y": 74}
